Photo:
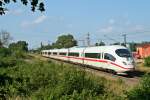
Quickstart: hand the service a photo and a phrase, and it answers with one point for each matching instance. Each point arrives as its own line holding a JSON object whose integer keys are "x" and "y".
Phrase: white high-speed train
{"x": 115, "y": 58}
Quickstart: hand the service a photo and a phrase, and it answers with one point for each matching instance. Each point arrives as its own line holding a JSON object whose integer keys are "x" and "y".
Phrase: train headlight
{"x": 124, "y": 63}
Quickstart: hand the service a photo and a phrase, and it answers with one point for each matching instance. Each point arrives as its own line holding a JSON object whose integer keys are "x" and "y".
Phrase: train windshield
{"x": 123, "y": 53}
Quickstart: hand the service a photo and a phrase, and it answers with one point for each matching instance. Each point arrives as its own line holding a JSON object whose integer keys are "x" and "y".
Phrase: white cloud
{"x": 70, "y": 26}
{"x": 14, "y": 12}
{"x": 120, "y": 26}
{"x": 24, "y": 23}
{"x": 17, "y": 11}
{"x": 127, "y": 23}
{"x": 111, "y": 21}
{"x": 108, "y": 29}
{"x": 38, "y": 20}
{"x": 137, "y": 28}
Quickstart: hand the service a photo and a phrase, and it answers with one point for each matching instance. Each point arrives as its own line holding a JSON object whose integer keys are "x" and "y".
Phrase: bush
{"x": 7, "y": 61}
{"x": 142, "y": 92}
{"x": 19, "y": 54}
{"x": 76, "y": 85}
{"x": 49, "y": 81}
{"x": 4, "y": 52}
{"x": 147, "y": 61}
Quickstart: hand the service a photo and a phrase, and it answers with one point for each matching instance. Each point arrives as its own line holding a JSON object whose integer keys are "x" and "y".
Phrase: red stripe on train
{"x": 95, "y": 60}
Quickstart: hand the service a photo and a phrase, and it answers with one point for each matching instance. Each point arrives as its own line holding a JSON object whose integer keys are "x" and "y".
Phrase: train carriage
{"x": 75, "y": 55}
{"x": 114, "y": 58}
{"x": 63, "y": 54}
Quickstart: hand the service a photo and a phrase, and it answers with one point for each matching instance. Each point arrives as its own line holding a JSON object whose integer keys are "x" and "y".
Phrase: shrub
{"x": 76, "y": 84}
{"x": 147, "y": 61}
{"x": 142, "y": 92}
{"x": 4, "y": 52}
{"x": 19, "y": 54}
{"x": 8, "y": 61}
{"x": 47, "y": 80}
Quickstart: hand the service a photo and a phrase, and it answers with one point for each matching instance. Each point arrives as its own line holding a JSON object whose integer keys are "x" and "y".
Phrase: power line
{"x": 49, "y": 42}
{"x": 125, "y": 39}
{"x": 137, "y": 32}
{"x": 111, "y": 39}
{"x": 88, "y": 39}
{"x": 83, "y": 41}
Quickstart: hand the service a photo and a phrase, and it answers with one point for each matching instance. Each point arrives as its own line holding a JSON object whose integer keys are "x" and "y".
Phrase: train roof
{"x": 95, "y": 48}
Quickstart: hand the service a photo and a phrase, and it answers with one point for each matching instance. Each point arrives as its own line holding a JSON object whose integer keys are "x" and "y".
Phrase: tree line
{"x": 63, "y": 41}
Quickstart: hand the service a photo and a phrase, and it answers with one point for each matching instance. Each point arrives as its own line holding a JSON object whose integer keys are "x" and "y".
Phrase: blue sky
{"x": 78, "y": 17}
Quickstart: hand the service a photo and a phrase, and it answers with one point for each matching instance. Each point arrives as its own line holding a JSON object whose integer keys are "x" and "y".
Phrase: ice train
{"x": 117, "y": 59}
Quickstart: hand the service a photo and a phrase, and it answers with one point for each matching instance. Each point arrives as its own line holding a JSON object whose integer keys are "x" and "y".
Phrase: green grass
{"x": 44, "y": 79}
{"x": 32, "y": 78}
{"x": 147, "y": 61}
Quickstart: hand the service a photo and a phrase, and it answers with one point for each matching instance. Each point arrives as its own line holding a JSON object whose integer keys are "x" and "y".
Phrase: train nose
{"x": 129, "y": 64}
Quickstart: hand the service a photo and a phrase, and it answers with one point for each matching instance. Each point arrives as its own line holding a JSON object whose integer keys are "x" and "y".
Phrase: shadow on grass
{"x": 4, "y": 80}
{"x": 136, "y": 73}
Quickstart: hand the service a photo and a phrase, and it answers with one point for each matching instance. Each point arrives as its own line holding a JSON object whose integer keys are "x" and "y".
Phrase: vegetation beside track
{"x": 47, "y": 80}
{"x": 143, "y": 65}
{"x": 33, "y": 77}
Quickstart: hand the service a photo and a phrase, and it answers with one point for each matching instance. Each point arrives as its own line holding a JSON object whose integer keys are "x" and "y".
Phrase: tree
{"x": 117, "y": 43}
{"x": 65, "y": 41}
{"x": 44, "y": 47}
{"x": 133, "y": 46}
{"x": 4, "y": 38}
{"x": 35, "y": 5}
{"x": 20, "y": 45}
{"x": 4, "y": 52}
{"x": 1, "y": 45}
{"x": 100, "y": 44}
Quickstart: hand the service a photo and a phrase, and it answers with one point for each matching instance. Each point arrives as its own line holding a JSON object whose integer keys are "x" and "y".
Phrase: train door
{"x": 102, "y": 64}
{"x": 106, "y": 63}
{"x": 109, "y": 59}
{"x": 83, "y": 55}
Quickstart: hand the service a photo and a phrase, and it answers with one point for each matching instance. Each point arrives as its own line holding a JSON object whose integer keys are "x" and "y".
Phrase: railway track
{"x": 128, "y": 80}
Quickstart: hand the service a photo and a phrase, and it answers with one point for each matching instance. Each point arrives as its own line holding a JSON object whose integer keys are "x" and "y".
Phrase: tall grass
{"x": 46, "y": 80}
{"x": 38, "y": 80}
{"x": 141, "y": 92}
{"x": 147, "y": 61}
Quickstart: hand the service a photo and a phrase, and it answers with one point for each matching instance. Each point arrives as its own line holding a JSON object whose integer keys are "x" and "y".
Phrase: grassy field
{"x": 39, "y": 78}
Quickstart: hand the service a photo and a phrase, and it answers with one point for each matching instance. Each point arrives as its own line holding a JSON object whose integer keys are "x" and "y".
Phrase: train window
{"x": 62, "y": 53}
{"x": 109, "y": 57}
{"x": 123, "y": 53}
{"x": 92, "y": 55}
{"x": 54, "y": 53}
{"x": 49, "y": 53}
{"x": 45, "y": 52}
{"x": 73, "y": 54}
